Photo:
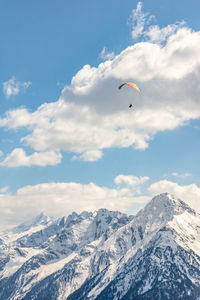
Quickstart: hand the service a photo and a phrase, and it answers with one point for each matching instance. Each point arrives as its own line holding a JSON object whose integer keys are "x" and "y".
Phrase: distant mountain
{"x": 105, "y": 255}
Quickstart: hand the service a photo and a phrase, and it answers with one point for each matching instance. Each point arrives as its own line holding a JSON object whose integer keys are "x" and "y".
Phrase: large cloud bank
{"x": 92, "y": 114}
{"x": 62, "y": 198}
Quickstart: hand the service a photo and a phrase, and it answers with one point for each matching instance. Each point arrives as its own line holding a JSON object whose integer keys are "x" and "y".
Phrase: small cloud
{"x": 140, "y": 25}
{"x": 1, "y": 153}
{"x": 12, "y": 87}
{"x": 89, "y": 156}
{"x": 106, "y": 55}
{"x": 3, "y": 189}
{"x": 175, "y": 174}
{"x": 138, "y": 19}
{"x": 60, "y": 84}
{"x": 131, "y": 181}
{"x": 18, "y": 158}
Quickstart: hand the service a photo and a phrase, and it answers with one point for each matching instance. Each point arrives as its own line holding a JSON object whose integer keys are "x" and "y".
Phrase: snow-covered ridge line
{"x": 104, "y": 254}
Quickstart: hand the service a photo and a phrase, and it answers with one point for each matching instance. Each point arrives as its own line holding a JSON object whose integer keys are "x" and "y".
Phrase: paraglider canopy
{"x": 131, "y": 84}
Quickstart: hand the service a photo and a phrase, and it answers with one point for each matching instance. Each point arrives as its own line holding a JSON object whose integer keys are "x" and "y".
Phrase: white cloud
{"x": 92, "y": 114}
{"x": 159, "y": 35}
{"x": 61, "y": 198}
{"x": 140, "y": 25}
{"x": 138, "y": 19}
{"x": 188, "y": 193}
{"x": 3, "y": 189}
{"x": 175, "y": 174}
{"x": 89, "y": 156}
{"x": 131, "y": 180}
{"x": 19, "y": 158}
{"x": 12, "y": 87}
{"x": 105, "y": 54}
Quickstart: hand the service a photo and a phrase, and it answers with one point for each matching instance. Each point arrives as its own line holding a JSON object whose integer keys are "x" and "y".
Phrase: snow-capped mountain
{"x": 105, "y": 255}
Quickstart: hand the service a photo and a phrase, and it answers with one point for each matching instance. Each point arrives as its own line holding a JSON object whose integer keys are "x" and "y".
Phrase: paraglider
{"x": 131, "y": 84}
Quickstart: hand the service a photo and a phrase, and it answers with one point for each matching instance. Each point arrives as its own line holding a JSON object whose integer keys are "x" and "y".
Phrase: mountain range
{"x": 105, "y": 255}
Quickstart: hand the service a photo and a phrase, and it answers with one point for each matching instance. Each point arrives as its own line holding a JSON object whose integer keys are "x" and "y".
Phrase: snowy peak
{"x": 40, "y": 220}
{"x": 106, "y": 255}
{"x": 160, "y": 210}
{"x": 71, "y": 233}
{"x": 167, "y": 201}
{"x": 74, "y": 218}
{"x": 168, "y": 204}
{"x": 28, "y": 228}
{"x": 158, "y": 215}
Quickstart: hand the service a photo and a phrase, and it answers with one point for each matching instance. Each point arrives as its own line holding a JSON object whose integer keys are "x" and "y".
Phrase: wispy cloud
{"x": 140, "y": 23}
{"x": 184, "y": 175}
{"x": 12, "y": 87}
{"x": 138, "y": 20}
{"x": 106, "y": 55}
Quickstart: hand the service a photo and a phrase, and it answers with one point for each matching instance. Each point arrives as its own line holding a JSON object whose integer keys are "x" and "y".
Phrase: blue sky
{"x": 68, "y": 139}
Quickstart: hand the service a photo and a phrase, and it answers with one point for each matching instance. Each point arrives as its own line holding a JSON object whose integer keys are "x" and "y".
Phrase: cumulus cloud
{"x": 92, "y": 114}
{"x": 12, "y": 87}
{"x": 188, "y": 193}
{"x": 16, "y": 118}
{"x": 159, "y": 35}
{"x": 61, "y": 198}
{"x": 131, "y": 180}
{"x": 18, "y": 158}
{"x": 106, "y": 55}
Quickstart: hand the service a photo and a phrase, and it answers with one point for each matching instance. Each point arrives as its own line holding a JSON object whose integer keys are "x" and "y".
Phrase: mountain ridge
{"x": 108, "y": 255}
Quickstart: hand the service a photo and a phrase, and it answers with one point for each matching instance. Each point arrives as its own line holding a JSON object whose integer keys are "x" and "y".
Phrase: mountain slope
{"x": 108, "y": 255}
{"x": 162, "y": 263}
{"x": 31, "y": 257}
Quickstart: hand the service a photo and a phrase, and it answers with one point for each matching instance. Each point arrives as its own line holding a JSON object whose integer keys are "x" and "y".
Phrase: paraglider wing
{"x": 121, "y": 85}
{"x": 131, "y": 84}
